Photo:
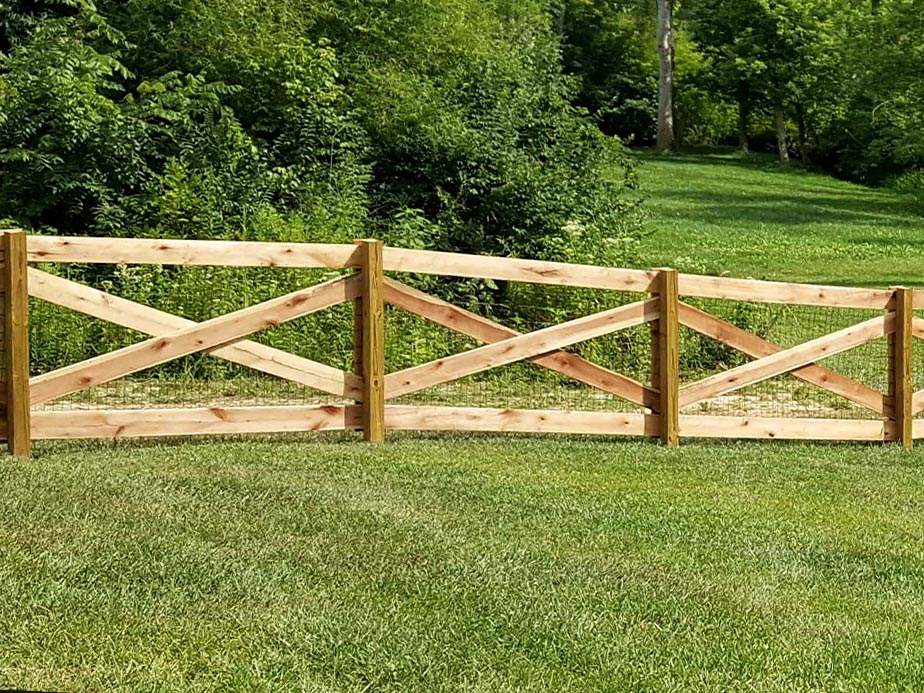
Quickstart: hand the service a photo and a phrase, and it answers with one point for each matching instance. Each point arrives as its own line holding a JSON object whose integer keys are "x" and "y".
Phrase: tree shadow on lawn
{"x": 796, "y": 180}
{"x": 731, "y": 157}
{"x": 786, "y": 210}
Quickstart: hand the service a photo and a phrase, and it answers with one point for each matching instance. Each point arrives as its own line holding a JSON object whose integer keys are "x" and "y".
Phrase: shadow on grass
{"x": 720, "y": 156}
{"x": 796, "y": 180}
{"x": 788, "y": 210}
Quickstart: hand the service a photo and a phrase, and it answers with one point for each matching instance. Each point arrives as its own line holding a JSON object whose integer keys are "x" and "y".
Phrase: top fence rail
{"x": 78, "y": 249}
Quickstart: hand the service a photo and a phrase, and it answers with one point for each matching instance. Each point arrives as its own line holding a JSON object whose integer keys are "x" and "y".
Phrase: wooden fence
{"x": 365, "y": 283}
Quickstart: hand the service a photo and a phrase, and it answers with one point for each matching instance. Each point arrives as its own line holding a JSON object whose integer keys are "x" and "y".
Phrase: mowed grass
{"x": 498, "y": 563}
{"x": 713, "y": 211}
{"x": 462, "y": 564}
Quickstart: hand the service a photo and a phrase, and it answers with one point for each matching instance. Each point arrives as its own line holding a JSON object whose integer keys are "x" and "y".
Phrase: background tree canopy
{"x": 492, "y": 126}
{"x": 841, "y": 81}
{"x": 444, "y": 124}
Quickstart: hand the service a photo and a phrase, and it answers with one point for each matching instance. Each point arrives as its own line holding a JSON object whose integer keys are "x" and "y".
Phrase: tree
{"x": 665, "y": 75}
{"x": 445, "y": 124}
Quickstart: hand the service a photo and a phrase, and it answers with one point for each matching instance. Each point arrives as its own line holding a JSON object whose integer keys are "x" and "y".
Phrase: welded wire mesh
{"x": 412, "y": 340}
{"x": 917, "y": 362}
{"x": 60, "y": 337}
{"x": 3, "y": 346}
{"x": 786, "y": 326}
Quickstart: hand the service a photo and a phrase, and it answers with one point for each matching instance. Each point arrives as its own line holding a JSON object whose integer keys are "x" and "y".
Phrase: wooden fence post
{"x": 668, "y": 357}
{"x": 16, "y": 342}
{"x": 358, "y": 331}
{"x": 372, "y": 339}
{"x": 901, "y": 385}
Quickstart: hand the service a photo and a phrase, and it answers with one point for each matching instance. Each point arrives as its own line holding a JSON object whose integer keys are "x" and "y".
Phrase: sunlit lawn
{"x": 712, "y": 211}
{"x": 451, "y": 564}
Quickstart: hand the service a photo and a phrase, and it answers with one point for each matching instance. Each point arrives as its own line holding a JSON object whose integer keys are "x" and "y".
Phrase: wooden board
{"x": 373, "y": 342}
{"x": 902, "y": 385}
{"x": 737, "y": 427}
{"x": 139, "y": 423}
{"x": 513, "y": 269}
{"x": 16, "y": 342}
{"x": 130, "y": 423}
{"x": 785, "y": 361}
{"x": 464, "y": 322}
{"x": 780, "y": 292}
{"x": 189, "y": 340}
{"x": 154, "y": 251}
{"x": 136, "y": 316}
{"x": 518, "y": 348}
{"x": 668, "y": 344}
{"x": 752, "y": 345}
{"x": 433, "y": 418}
{"x": 917, "y": 429}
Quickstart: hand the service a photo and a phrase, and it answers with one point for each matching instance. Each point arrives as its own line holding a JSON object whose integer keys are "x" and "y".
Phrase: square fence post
{"x": 901, "y": 384}
{"x": 16, "y": 342}
{"x": 371, "y": 334}
{"x": 666, "y": 364}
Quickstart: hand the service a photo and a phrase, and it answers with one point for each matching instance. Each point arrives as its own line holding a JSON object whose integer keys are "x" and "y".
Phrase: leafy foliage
{"x": 445, "y": 125}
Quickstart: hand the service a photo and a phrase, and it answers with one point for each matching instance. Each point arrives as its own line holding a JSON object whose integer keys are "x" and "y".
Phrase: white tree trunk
{"x": 742, "y": 124}
{"x": 666, "y": 75}
{"x": 780, "y": 120}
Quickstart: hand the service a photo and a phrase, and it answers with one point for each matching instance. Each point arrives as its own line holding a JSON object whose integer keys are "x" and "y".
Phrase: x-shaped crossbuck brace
{"x": 175, "y": 337}
{"x": 224, "y": 337}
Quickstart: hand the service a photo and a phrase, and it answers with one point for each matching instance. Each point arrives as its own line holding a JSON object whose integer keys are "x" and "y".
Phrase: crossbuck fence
{"x": 374, "y": 397}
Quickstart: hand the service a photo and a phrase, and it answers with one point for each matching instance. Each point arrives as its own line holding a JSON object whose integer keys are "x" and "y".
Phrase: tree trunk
{"x": 805, "y": 147}
{"x": 780, "y": 120}
{"x": 560, "y": 18}
{"x": 666, "y": 75}
{"x": 743, "y": 125}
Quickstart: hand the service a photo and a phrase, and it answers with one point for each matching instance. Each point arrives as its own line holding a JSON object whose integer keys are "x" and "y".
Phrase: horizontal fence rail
{"x": 374, "y": 396}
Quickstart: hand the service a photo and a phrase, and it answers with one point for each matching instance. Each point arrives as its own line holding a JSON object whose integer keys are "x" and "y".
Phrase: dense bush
{"x": 446, "y": 125}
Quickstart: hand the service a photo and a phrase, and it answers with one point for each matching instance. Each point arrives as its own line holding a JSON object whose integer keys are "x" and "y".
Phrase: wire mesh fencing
{"x": 783, "y": 326}
{"x": 61, "y": 337}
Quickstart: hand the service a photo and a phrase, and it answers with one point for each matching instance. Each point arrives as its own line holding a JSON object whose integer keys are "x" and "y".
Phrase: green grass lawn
{"x": 449, "y": 564}
{"x": 714, "y": 212}
{"x": 497, "y": 563}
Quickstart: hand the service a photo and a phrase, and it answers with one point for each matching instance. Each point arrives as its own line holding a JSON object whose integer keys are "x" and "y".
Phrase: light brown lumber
{"x": 742, "y": 427}
{"x": 135, "y": 316}
{"x": 517, "y": 270}
{"x": 902, "y": 385}
{"x": 917, "y": 327}
{"x": 464, "y": 322}
{"x": 16, "y": 342}
{"x": 189, "y": 340}
{"x": 669, "y": 357}
{"x": 752, "y": 345}
{"x": 141, "y": 423}
{"x": 785, "y": 361}
{"x": 518, "y": 348}
{"x": 373, "y": 341}
{"x": 433, "y": 418}
{"x": 780, "y": 292}
{"x": 155, "y": 251}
